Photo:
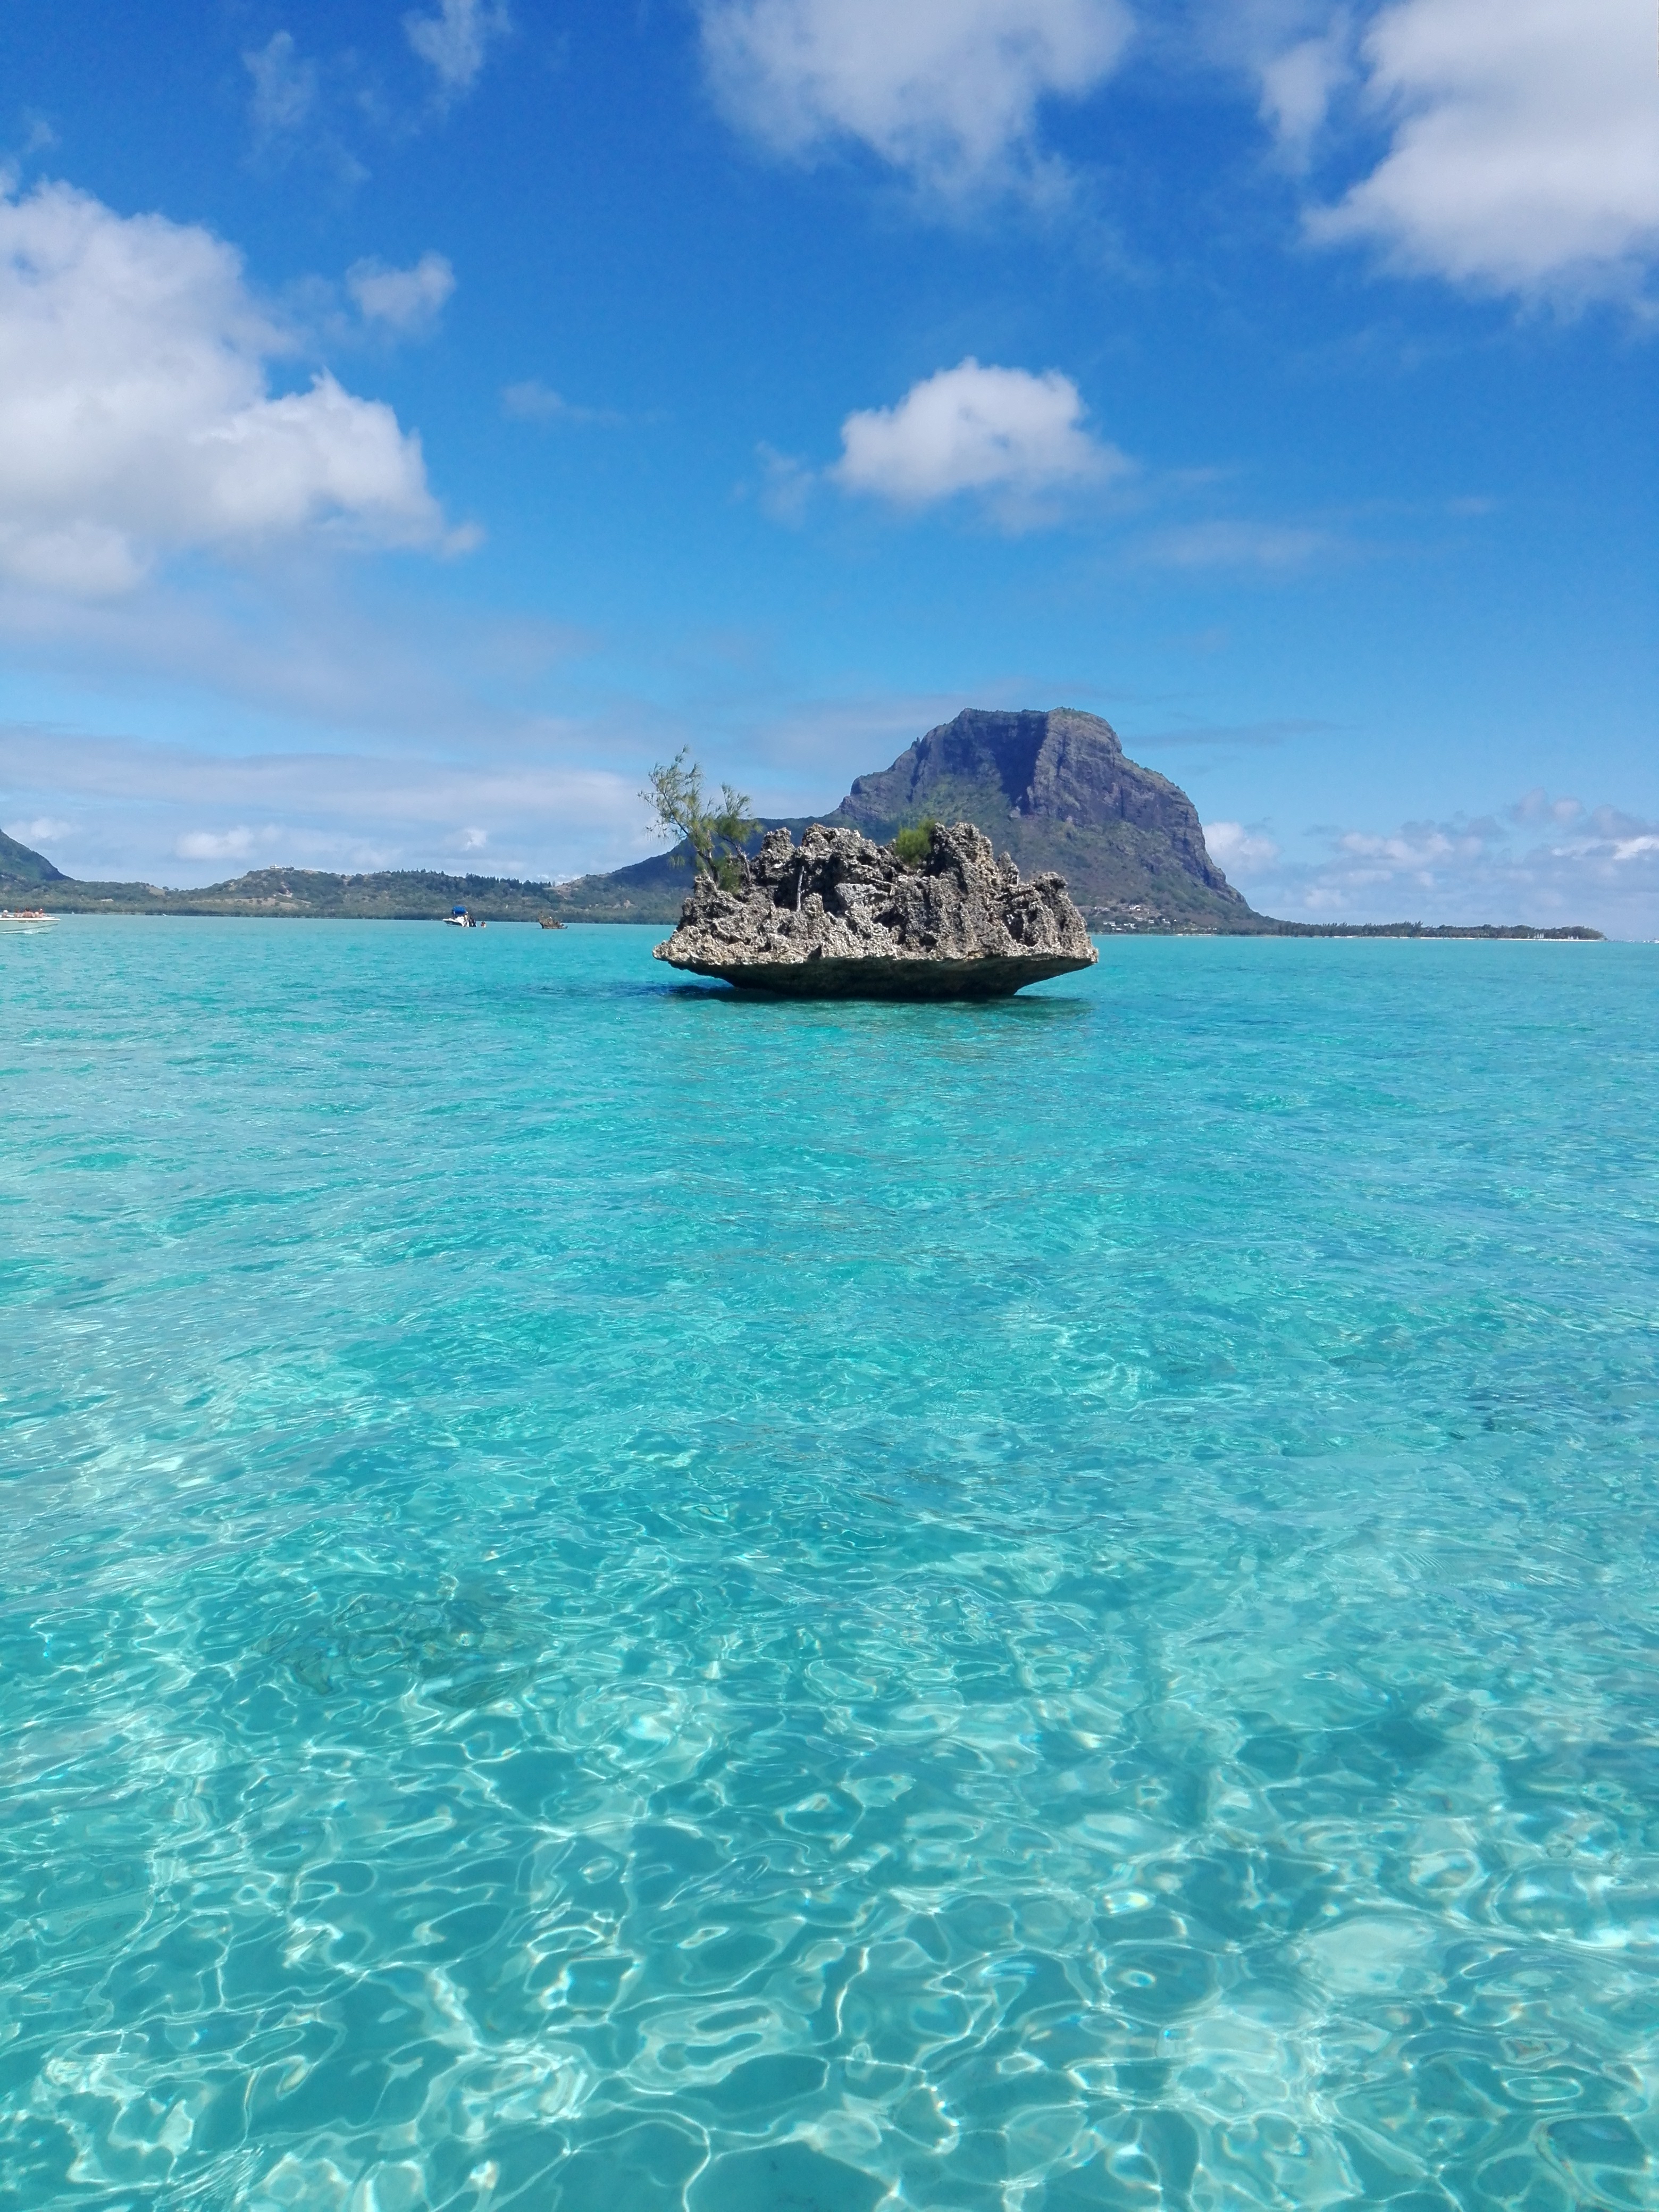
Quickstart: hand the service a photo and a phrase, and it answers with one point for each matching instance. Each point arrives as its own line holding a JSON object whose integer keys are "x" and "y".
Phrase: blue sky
{"x": 415, "y": 420}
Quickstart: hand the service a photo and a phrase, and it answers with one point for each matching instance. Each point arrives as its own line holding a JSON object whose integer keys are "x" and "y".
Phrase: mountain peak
{"x": 1056, "y": 787}
{"x": 1016, "y": 749}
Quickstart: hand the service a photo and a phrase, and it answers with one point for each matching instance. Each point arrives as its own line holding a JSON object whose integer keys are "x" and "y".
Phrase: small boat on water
{"x": 26, "y": 918}
{"x": 549, "y": 921}
{"x": 460, "y": 917}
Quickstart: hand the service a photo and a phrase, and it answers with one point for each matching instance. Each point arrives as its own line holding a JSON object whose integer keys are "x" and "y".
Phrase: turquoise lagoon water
{"x": 615, "y": 1598}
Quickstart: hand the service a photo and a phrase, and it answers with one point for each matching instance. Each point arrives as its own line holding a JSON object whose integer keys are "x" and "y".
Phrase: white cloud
{"x": 945, "y": 90}
{"x": 1546, "y": 861}
{"x": 44, "y": 827}
{"x": 1525, "y": 143}
{"x": 135, "y": 414}
{"x": 1537, "y": 805}
{"x": 1237, "y": 851}
{"x": 456, "y": 40}
{"x": 284, "y": 87}
{"x": 1414, "y": 854}
{"x": 406, "y": 302}
{"x": 999, "y": 432}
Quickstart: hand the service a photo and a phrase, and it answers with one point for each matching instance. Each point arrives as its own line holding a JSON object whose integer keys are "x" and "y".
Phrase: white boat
{"x": 26, "y": 920}
{"x": 458, "y": 918}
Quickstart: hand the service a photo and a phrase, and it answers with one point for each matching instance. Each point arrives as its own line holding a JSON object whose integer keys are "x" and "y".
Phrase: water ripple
{"x": 618, "y": 1599}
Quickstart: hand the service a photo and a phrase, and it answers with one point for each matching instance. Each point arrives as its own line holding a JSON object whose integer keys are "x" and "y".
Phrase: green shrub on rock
{"x": 911, "y": 847}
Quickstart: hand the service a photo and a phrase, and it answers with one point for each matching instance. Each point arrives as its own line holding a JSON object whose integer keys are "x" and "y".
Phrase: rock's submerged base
{"x": 989, "y": 978}
{"x": 838, "y": 917}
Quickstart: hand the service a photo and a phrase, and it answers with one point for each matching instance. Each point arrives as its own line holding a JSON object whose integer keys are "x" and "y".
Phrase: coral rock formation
{"x": 837, "y": 916}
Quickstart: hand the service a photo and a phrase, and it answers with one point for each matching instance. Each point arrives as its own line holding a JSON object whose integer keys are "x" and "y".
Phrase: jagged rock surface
{"x": 839, "y": 917}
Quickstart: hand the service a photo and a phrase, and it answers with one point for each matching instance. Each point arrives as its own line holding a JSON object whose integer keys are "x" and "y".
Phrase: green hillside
{"x": 20, "y": 869}
{"x": 393, "y": 894}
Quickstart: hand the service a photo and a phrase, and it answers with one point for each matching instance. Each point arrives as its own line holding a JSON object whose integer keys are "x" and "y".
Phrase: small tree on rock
{"x": 717, "y": 832}
{"x": 911, "y": 847}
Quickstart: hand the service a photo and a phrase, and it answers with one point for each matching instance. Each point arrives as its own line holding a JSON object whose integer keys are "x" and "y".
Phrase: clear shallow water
{"x": 617, "y": 1601}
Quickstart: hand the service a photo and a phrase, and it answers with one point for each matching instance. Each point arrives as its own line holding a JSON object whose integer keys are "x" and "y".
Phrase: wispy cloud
{"x": 1540, "y": 860}
{"x": 301, "y": 642}
{"x": 317, "y": 109}
{"x": 1297, "y": 84}
{"x": 1223, "y": 543}
{"x": 285, "y": 87}
{"x": 786, "y": 486}
{"x": 293, "y": 109}
{"x": 143, "y": 808}
{"x": 455, "y": 42}
{"x": 1207, "y": 736}
{"x": 532, "y": 401}
{"x": 235, "y": 844}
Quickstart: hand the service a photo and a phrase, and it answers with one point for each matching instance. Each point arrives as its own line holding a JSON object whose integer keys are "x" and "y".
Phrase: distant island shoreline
{"x": 1053, "y": 786}
{"x": 185, "y": 906}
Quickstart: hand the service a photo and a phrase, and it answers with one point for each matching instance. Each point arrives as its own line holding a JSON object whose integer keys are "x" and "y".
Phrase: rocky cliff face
{"x": 838, "y": 916}
{"x": 1125, "y": 837}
